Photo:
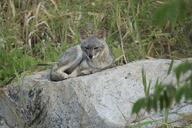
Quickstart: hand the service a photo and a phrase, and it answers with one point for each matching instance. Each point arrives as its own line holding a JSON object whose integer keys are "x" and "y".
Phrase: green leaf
{"x": 170, "y": 67}
{"x": 149, "y": 103}
{"x": 158, "y": 90}
{"x": 171, "y": 11}
{"x": 179, "y": 93}
{"x": 167, "y": 101}
{"x": 144, "y": 81}
{"x": 155, "y": 103}
{"x": 161, "y": 99}
{"x": 149, "y": 87}
{"x": 117, "y": 52}
{"x": 138, "y": 105}
{"x": 182, "y": 68}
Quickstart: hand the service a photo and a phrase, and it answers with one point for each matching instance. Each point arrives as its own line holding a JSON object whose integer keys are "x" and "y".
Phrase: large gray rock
{"x": 100, "y": 100}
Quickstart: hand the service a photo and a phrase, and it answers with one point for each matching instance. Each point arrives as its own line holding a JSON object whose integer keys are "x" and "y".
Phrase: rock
{"x": 100, "y": 100}
{"x": 8, "y": 117}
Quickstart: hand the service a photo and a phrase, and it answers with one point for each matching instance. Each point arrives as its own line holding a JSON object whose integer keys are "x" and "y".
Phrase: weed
{"x": 40, "y": 30}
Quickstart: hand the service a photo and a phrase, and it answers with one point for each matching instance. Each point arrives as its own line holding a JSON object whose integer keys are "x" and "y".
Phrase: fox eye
{"x": 96, "y": 48}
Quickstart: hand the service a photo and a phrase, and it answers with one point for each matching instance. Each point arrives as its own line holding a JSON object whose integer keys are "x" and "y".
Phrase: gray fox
{"x": 90, "y": 56}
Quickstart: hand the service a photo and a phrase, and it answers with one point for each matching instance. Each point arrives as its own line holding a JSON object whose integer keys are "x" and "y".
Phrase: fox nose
{"x": 90, "y": 56}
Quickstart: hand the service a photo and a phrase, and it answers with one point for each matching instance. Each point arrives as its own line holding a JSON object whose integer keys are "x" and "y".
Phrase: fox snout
{"x": 92, "y": 53}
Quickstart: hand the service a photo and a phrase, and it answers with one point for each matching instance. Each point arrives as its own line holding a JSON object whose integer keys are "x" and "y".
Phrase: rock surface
{"x": 100, "y": 100}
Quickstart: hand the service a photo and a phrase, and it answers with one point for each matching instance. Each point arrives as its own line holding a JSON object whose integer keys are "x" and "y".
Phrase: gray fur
{"x": 90, "y": 56}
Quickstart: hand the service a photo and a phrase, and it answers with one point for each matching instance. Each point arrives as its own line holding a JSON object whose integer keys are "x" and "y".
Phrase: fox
{"x": 91, "y": 55}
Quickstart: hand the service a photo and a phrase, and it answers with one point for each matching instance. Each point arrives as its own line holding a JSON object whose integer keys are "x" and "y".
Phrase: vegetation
{"x": 165, "y": 96}
{"x": 34, "y": 32}
{"x": 37, "y": 31}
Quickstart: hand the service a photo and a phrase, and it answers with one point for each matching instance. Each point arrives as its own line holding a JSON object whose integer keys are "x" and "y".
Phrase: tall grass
{"x": 37, "y": 31}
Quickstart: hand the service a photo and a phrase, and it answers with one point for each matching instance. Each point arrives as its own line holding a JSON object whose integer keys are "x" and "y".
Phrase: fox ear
{"x": 101, "y": 34}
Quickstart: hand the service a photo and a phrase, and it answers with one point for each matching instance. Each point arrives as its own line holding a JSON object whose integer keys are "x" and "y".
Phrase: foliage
{"x": 172, "y": 11}
{"x": 145, "y": 85}
{"x": 42, "y": 29}
{"x": 164, "y": 96}
{"x": 13, "y": 62}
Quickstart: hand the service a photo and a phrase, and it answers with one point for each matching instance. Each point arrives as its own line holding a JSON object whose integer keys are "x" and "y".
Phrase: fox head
{"x": 92, "y": 46}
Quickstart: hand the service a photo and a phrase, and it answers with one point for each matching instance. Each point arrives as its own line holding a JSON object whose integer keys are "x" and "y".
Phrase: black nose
{"x": 90, "y": 56}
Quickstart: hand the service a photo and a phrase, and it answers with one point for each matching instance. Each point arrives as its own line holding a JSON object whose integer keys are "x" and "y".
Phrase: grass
{"x": 38, "y": 31}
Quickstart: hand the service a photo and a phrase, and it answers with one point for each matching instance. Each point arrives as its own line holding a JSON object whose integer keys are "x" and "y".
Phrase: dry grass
{"x": 42, "y": 29}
